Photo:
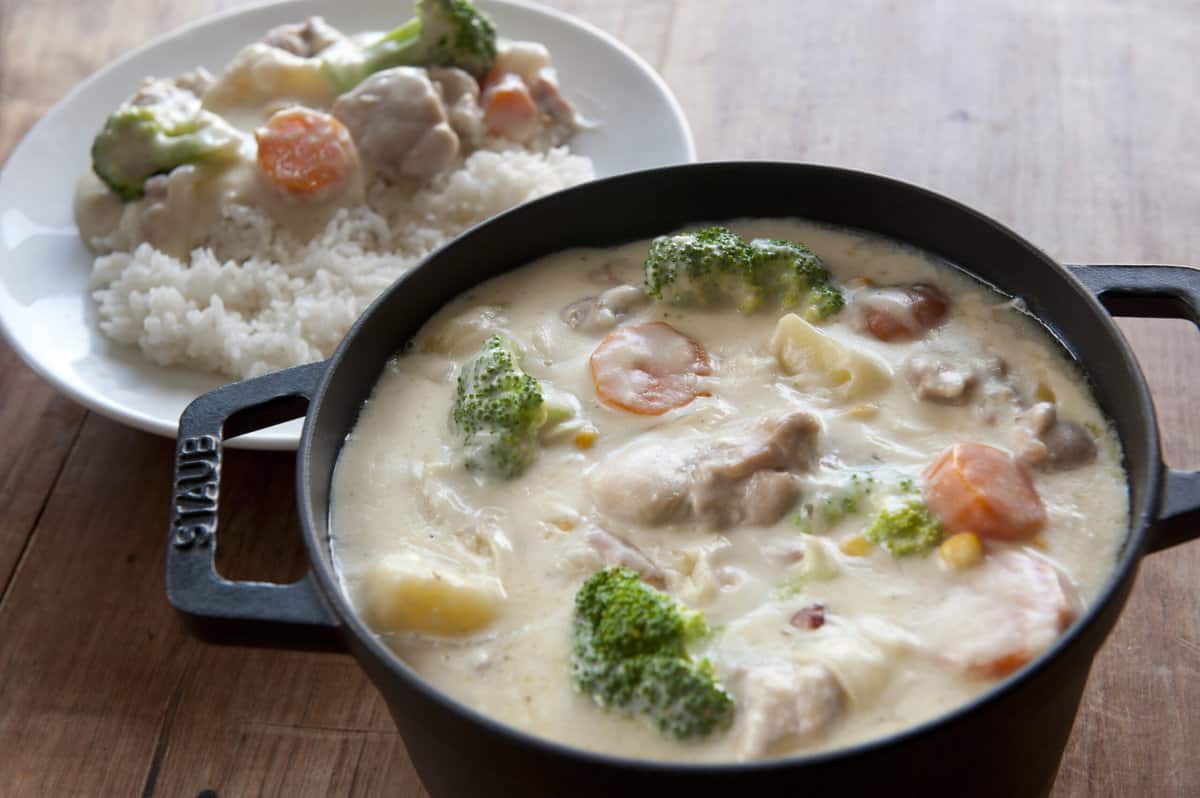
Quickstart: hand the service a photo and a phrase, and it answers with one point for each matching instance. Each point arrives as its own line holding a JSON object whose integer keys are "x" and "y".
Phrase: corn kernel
{"x": 857, "y": 546}
{"x": 565, "y": 524}
{"x": 962, "y": 550}
{"x": 1039, "y": 542}
{"x": 585, "y": 438}
{"x": 1044, "y": 393}
{"x": 863, "y": 411}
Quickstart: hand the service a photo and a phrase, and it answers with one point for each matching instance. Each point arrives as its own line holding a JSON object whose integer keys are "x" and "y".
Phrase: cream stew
{"x": 280, "y": 132}
{"x": 750, "y": 496}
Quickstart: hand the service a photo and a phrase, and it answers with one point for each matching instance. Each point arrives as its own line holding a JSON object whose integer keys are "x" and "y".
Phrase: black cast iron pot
{"x": 1006, "y": 743}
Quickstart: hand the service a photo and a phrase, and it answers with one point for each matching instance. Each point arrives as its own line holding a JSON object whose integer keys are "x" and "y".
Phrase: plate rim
{"x": 98, "y": 401}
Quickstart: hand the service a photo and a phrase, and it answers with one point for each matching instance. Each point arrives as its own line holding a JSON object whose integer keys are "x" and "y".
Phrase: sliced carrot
{"x": 306, "y": 155}
{"x": 508, "y": 107}
{"x": 973, "y": 487}
{"x": 994, "y": 618}
{"x": 1003, "y": 665}
{"x": 913, "y": 310}
{"x": 649, "y": 369}
{"x": 1016, "y": 606}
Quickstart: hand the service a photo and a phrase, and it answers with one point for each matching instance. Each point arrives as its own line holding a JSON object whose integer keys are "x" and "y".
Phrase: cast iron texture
{"x": 1006, "y": 743}
{"x": 216, "y": 608}
{"x": 1155, "y": 292}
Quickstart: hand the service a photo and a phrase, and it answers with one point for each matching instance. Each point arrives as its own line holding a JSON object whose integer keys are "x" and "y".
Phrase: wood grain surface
{"x": 1073, "y": 121}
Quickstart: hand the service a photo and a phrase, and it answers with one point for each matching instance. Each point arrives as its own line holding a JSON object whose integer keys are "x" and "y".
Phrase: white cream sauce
{"x": 900, "y": 634}
{"x": 190, "y": 202}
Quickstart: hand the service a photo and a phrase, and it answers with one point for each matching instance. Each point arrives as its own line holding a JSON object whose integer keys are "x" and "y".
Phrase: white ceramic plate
{"x": 46, "y": 311}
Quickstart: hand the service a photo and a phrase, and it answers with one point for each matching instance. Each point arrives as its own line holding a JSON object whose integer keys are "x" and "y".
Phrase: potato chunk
{"x": 404, "y": 593}
{"x": 817, "y": 360}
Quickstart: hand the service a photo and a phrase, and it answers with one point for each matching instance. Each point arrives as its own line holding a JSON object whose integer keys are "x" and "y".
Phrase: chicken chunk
{"x": 460, "y": 95}
{"x": 596, "y": 314}
{"x": 744, "y": 479}
{"x": 952, "y": 378}
{"x": 758, "y": 500}
{"x": 999, "y": 616}
{"x": 781, "y": 700}
{"x": 767, "y": 496}
{"x": 160, "y": 216}
{"x": 752, "y": 480}
{"x": 304, "y": 39}
{"x": 644, "y": 485}
{"x": 399, "y": 123}
{"x": 1044, "y": 441}
{"x": 780, "y": 443}
{"x": 938, "y": 379}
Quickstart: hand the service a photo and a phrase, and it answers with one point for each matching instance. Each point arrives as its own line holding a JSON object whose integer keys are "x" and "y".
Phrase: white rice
{"x": 274, "y": 302}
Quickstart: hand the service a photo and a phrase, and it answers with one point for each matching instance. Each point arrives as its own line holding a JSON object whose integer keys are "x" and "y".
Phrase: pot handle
{"x": 215, "y": 608}
{"x": 1156, "y": 292}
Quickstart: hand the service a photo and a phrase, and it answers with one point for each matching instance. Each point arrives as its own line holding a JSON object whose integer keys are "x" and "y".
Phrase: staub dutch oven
{"x": 1006, "y": 743}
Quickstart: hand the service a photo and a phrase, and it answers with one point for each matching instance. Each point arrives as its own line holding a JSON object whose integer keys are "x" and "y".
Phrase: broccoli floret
{"x": 498, "y": 411}
{"x": 859, "y": 493}
{"x": 907, "y": 529}
{"x": 796, "y": 273}
{"x": 701, "y": 267}
{"x": 715, "y": 265}
{"x": 825, "y": 300}
{"x": 829, "y": 508}
{"x": 630, "y": 653}
{"x": 161, "y": 128}
{"x": 449, "y": 33}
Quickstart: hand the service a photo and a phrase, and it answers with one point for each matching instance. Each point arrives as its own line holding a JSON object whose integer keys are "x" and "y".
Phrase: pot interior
{"x": 645, "y": 204}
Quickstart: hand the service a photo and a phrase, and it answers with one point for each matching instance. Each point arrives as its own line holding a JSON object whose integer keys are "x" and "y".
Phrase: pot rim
{"x": 1120, "y": 575}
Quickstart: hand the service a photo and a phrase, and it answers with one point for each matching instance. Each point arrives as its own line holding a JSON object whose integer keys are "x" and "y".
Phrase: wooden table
{"x": 1075, "y": 122}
